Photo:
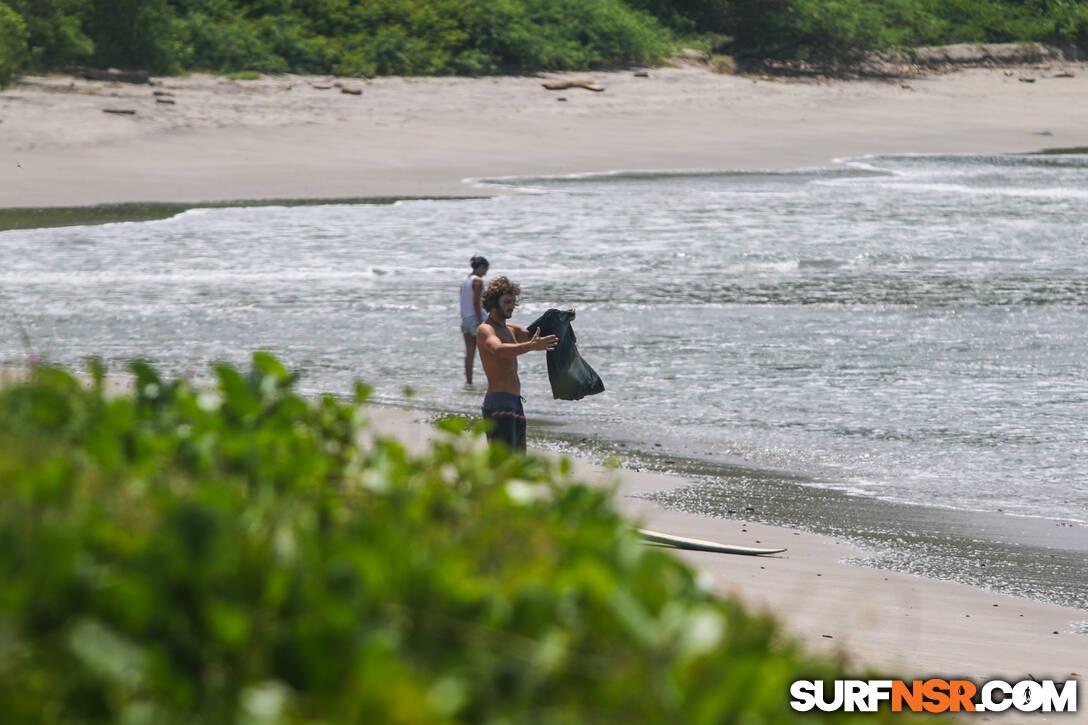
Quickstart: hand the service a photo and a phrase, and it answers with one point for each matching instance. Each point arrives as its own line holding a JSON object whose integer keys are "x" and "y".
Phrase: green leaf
{"x": 108, "y": 653}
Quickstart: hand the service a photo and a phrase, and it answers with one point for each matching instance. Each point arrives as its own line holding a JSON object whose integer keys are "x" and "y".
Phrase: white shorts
{"x": 469, "y": 325}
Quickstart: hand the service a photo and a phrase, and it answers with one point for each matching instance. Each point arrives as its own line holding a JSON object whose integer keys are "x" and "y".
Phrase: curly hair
{"x": 499, "y": 286}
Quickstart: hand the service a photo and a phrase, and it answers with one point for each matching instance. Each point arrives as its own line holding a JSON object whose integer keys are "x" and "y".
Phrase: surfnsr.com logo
{"x": 934, "y": 695}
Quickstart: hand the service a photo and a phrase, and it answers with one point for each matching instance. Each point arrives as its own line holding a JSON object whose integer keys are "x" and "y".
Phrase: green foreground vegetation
{"x": 474, "y": 37}
{"x": 234, "y": 554}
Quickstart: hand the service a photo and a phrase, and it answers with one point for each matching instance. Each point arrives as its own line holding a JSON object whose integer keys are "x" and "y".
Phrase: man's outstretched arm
{"x": 492, "y": 344}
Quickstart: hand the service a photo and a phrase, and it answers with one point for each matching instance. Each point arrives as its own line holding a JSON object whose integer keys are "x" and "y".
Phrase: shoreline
{"x": 1032, "y": 558}
{"x": 824, "y": 593}
{"x": 51, "y": 217}
{"x": 293, "y": 137}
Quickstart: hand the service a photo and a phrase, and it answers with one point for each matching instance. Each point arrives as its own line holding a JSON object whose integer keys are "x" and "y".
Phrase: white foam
{"x": 945, "y": 188}
{"x": 521, "y": 181}
{"x": 202, "y": 275}
{"x": 862, "y": 163}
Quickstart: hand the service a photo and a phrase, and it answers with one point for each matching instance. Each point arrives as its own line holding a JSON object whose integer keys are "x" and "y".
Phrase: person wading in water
{"x": 500, "y": 344}
{"x": 471, "y": 315}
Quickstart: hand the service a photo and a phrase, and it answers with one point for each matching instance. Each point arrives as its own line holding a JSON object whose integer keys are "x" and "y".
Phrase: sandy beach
{"x": 214, "y": 139}
{"x": 294, "y": 137}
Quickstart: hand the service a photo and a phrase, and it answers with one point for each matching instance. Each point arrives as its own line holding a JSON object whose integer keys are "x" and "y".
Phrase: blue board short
{"x": 507, "y": 420}
{"x": 469, "y": 325}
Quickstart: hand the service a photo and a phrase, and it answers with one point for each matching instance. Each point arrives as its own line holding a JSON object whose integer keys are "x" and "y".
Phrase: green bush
{"x": 236, "y": 555}
{"x": 438, "y": 37}
{"x": 122, "y": 33}
{"x": 13, "y": 49}
{"x": 55, "y": 32}
{"x": 134, "y": 34}
{"x": 216, "y": 46}
{"x": 839, "y": 28}
{"x": 827, "y": 29}
{"x": 581, "y": 33}
{"x": 410, "y": 37}
{"x": 297, "y": 50}
{"x": 999, "y": 21}
{"x": 702, "y": 16}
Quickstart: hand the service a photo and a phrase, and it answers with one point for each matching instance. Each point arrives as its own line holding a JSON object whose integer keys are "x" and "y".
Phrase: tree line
{"x": 478, "y": 37}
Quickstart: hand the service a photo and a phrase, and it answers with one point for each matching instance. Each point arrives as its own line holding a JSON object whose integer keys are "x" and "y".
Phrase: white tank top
{"x": 467, "y": 309}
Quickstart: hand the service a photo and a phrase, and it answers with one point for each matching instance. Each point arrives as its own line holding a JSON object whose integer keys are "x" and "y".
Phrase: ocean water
{"x": 890, "y": 349}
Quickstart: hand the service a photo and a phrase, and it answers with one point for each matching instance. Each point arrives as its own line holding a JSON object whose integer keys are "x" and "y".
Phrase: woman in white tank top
{"x": 472, "y": 286}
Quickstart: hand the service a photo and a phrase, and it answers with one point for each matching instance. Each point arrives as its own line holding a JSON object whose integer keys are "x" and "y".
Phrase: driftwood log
{"x": 563, "y": 85}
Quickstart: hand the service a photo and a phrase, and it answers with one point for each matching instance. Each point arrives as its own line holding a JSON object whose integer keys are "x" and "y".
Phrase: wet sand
{"x": 899, "y": 623}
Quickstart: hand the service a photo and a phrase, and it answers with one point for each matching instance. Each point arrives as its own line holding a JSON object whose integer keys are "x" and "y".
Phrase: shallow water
{"x": 903, "y": 329}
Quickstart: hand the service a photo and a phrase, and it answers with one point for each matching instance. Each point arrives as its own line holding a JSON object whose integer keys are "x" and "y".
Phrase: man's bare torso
{"x": 502, "y": 373}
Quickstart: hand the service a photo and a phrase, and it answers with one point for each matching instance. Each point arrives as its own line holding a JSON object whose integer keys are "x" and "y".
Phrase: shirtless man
{"x": 500, "y": 344}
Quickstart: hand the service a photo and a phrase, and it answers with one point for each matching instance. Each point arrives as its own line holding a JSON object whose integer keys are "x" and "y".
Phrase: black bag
{"x": 571, "y": 377}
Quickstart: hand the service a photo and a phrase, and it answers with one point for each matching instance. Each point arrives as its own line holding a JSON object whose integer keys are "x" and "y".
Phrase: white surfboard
{"x": 683, "y": 542}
